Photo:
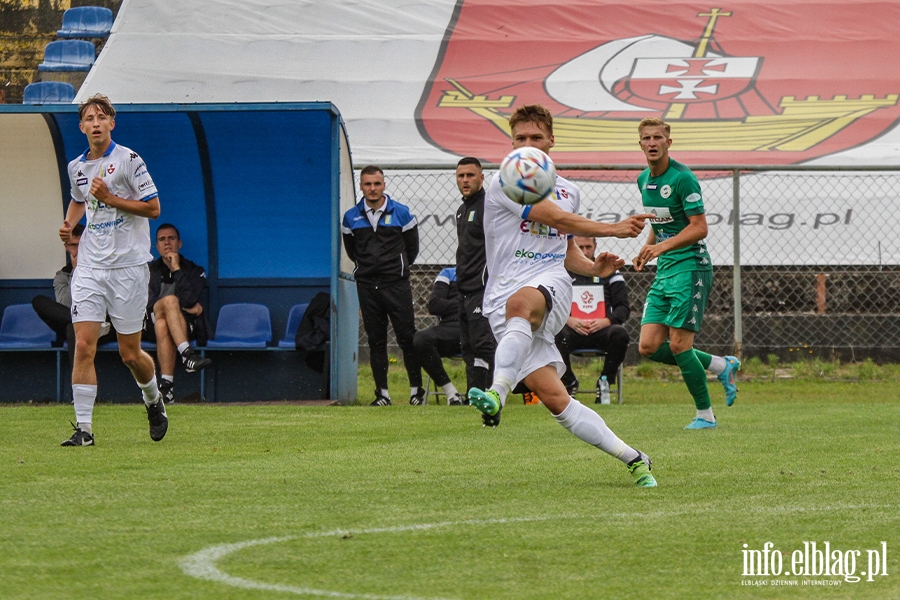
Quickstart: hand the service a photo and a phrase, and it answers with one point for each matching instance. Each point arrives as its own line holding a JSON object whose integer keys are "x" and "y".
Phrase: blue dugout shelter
{"x": 257, "y": 191}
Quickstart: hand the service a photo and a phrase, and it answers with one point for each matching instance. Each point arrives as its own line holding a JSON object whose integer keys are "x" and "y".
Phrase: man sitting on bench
{"x": 599, "y": 310}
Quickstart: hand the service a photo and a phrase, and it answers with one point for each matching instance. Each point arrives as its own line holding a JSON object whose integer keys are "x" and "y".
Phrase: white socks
{"x": 450, "y": 390}
{"x": 150, "y": 391}
{"x": 511, "y": 352}
{"x": 183, "y": 346}
{"x": 83, "y": 397}
{"x": 590, "y": 427}
{"x": 707, "y": 414}
{"x": 716, "y": 365}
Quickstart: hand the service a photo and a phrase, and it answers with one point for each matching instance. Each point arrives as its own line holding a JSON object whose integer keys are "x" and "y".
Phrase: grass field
{"x": 281, "y": 501}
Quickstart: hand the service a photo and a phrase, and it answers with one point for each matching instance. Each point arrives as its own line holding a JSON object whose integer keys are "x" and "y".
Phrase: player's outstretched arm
{"x": 696, "y": 230}
{"x": 604, "y": 265}
{"x": 548, "y": 213}
{"x": 631, "y": 227}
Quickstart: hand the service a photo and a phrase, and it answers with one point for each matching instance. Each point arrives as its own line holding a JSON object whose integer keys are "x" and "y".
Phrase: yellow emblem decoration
{"x": 801, "y": 125}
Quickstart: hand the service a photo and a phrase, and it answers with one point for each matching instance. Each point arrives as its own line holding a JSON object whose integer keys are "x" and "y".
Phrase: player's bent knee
{"x": 138, "y": 361}
{"x": 555, "y": 402}
{"x": 527, "y": 303}
{"x": 130, "y": 350}
{"x": 678, "y": 348}
{"x": 85, "y": 350}
{"x": 129, "y": 357}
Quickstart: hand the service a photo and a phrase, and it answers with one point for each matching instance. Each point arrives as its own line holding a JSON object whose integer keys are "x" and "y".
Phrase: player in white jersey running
{"x": 110, "y": 184}
{"x": 529, "y": 294}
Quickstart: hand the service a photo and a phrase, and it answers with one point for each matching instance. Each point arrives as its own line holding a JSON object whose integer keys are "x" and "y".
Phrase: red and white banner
{"x": 766, "y": 82}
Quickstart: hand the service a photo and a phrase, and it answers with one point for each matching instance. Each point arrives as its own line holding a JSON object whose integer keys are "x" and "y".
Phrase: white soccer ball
{"x": 527, "y": 175}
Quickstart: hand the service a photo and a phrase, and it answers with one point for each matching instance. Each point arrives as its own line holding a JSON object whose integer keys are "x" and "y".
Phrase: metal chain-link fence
{"x": 817, "y": 267}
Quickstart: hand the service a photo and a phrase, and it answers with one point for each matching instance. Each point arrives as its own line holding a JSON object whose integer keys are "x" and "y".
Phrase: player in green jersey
{"x": 673, "y": 311}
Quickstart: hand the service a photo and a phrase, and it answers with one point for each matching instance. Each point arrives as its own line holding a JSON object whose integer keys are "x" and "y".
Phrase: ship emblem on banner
{"x": 734, "y": 84}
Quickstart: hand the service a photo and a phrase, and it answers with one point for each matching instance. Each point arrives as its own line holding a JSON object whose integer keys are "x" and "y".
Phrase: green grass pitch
{"x": 280, "y": 501}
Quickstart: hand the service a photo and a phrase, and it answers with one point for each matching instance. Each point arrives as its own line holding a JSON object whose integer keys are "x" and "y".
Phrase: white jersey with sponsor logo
{"x": 518, "y": 250}
{"x": 113, "y": 238}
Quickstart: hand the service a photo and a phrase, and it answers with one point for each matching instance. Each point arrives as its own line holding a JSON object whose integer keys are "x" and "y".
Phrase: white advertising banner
{"x": 785, "y": 218}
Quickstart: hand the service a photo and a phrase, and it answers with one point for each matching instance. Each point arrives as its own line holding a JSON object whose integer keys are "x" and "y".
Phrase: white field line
{"x": 202, "y": 564}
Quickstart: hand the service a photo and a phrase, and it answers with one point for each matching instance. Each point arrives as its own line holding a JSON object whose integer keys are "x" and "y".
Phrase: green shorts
{"x": 678, "y": 300}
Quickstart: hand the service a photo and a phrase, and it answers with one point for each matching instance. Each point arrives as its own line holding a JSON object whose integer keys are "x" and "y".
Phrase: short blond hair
{"x": 654, "y": 122}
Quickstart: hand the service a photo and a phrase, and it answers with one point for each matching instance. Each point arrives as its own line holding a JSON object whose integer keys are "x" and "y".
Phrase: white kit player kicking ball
{"x": 529, "y": 294}
{"x": 111, "y": 184}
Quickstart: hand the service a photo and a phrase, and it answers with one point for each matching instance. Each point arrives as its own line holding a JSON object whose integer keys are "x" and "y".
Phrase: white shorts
{"x": 121, "y": 293}
{"x": 543, "y": 350}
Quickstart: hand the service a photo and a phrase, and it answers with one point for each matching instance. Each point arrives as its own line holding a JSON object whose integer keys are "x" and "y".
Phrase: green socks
{"x": 694, "y": 375}
{"x": 664, "y": 355}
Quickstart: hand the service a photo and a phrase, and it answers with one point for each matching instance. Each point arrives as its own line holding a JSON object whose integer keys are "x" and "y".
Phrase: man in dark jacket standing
{"x": 476, "y": 337}
{"x": 381, "y": 236}
{"x": 174, "y": 312}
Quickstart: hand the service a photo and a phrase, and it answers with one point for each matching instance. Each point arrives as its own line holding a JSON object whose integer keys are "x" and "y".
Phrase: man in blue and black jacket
{"x": 381, "y": 236}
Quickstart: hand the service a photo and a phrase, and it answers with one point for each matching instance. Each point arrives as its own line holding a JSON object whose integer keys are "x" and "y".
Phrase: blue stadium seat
{"x": 21, "y": 328}
{"x": 243, "y": 325}
{"x": 48, "y": 92}
{"x": 86, "y": 22}
{"x": 290, "y": 332}
{"x": 68, "y": 55}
